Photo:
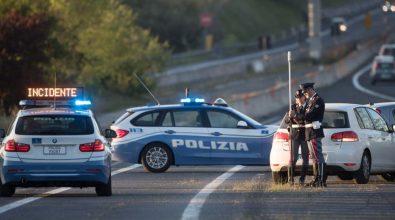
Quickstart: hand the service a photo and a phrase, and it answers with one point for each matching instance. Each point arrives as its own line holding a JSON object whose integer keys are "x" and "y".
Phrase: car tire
{"x": 390, "y": 177}
{"x": 345, "y": 176}
{"x": 6, "y": 190}
{"x": 279, "y": 177}
{"x": 104, "y": 189}
{"x": 363, "y": 174}
{"x": 156, "y": 158}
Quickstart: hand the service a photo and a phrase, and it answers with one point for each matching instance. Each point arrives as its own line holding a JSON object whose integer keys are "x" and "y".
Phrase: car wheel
{"x": 279, "y": 177}
{"x": 345, "y": 176}
{"x": 104, "y": 189}
{"x": 362, "y": 175}
{"x": 6, "y": 190}
{"x": 156, "y": 158}
{"x": 390, "y": 177}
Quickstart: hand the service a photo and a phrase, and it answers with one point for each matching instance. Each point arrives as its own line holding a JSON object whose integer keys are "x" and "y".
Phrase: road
{"x": 215, "y": 192}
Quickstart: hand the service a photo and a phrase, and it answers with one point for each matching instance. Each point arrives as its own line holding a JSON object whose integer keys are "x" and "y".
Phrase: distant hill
{"x": 234, "y": 21}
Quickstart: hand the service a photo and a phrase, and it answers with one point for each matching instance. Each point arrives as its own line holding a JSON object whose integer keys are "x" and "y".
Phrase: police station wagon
{"x": 54, "y": 143}
{"x": 190, "y": 133}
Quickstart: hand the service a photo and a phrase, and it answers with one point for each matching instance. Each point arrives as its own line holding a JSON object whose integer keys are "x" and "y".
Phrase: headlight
{"x": 343, "y": 28}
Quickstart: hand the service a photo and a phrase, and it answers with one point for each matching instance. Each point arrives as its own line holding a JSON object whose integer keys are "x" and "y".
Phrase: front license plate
{"x": 55, "y": 150}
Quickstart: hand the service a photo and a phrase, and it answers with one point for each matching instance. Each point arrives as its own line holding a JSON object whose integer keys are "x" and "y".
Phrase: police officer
{"x": 297, "y": 130}
{"x": 314, "y": 133}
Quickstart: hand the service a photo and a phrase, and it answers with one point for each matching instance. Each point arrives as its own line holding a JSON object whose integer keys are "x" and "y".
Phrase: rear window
{"x": 148, "y": 119}
{"x": 332, "y": 119}
{"x": 335, "y": 119}
{"x": 123, "y": 117}
{"x": 389, "y": 51}
{"x": 54, "y": 125}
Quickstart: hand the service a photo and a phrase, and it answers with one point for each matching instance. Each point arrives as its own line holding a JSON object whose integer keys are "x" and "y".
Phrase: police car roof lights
{"x": 82, "y": 102}
{"x": 192, "y": 101}
{"x": 220, "y": 102}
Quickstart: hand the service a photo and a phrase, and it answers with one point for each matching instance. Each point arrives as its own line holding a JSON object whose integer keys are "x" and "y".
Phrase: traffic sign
{"x": 206, "y": 20}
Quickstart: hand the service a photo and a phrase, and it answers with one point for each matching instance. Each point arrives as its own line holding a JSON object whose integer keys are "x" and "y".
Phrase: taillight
{"x": 378, "y": 110}
{"x": 12, "y": 146}
{"x": 375, "y": 66}
{"x": 345, "y": 136}
{"x": 280, "y": 137}
{"x": 121, "y": 133}
{"x": 90, "y": 147}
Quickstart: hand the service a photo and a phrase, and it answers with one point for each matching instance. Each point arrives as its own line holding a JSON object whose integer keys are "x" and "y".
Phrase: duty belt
{"x": 297, "y": 126}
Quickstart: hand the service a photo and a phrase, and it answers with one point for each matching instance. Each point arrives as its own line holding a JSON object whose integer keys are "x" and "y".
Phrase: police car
{"x": 190, "y": 133}
{"x": 54, "y": 143}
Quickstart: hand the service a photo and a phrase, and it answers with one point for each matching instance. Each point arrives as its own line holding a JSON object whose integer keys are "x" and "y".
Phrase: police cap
{"x": 305, "y": 86}
{"x": 298, "y": 93}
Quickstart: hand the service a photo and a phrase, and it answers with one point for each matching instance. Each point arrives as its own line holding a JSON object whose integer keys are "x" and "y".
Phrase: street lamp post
{"x": 314, "y": 27}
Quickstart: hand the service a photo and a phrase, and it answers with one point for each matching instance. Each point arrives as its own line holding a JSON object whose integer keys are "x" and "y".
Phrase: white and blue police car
{"x": 55, "y": 143}
{"x": 190, "y": 133}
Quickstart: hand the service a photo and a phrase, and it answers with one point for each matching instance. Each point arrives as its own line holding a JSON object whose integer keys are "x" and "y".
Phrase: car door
{"x": 373, "y": 138}
{"x": 184, "y": 132}
{"x": 234, "y": 145}
{"x": 384, "y": 140}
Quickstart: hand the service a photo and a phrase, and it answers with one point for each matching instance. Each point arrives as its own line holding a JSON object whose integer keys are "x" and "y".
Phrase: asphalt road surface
{"x": 215, "y": 192}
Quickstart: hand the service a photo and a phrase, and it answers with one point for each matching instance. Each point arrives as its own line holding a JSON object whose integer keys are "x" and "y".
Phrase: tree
{"x": 174, "y": 21}
{"x": 105, "y": 46}
{"x": 23, "y": 52}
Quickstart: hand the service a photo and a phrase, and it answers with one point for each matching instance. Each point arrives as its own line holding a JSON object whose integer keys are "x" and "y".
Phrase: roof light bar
{"x": 82, "y": 102}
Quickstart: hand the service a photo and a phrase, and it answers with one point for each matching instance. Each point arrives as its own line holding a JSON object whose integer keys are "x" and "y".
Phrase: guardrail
{"x": 289, "y": 36}
{"x": 272, "y": 99}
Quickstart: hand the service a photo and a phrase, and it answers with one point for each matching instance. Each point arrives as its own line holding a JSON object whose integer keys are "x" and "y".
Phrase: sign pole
{"x": 291, "y": 153}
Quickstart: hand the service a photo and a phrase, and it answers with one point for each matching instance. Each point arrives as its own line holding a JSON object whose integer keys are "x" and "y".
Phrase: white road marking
{"x": 22, "y": 202}
{"x": 357, "y": 85}
{"x": 192, "y": 211}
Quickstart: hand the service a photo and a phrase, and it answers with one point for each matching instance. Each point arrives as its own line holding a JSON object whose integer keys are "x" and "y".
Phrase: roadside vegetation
{"x": 100, "y": 44}
{"x": 92, "y": 43}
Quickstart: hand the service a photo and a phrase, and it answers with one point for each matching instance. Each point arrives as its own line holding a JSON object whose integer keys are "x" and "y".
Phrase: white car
{"x": 357, "y": 143}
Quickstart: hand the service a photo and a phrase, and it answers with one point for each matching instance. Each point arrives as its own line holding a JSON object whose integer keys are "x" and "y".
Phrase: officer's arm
{"x": 299, "y": 117}
{"x": 317, "y": 109}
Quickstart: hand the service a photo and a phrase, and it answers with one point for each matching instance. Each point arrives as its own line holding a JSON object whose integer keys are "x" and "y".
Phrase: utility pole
{"x": 314, "y": 27}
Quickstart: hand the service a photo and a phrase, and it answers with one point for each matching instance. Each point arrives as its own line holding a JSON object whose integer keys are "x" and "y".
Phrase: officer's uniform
{"x": 297, "y": 130}
{"x": 314, "y": 133}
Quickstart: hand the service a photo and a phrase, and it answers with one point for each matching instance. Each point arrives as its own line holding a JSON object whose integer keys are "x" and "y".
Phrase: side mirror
{"x": 242, "y": 124}
{"x": 108, "y": 133}
{"x": 2, "y": 133}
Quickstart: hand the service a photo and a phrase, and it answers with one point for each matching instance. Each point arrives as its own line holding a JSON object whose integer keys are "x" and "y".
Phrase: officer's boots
{"x": 291, "y": 173}
{"x": 316, "y": 177}
{"x": 323, "y": 174}
{"x": 303, "y": 173}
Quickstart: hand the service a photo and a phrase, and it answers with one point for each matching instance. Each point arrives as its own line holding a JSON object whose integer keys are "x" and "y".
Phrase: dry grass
{"x": 259, "y": 185}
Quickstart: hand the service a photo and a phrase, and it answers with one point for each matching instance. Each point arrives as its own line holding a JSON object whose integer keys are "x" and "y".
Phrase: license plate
{"x": 55, "y": 150}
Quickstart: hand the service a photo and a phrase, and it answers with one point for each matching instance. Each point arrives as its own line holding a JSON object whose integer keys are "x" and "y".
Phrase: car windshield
{"x": 54, "y": 125}
{"x": 250, "y": 120}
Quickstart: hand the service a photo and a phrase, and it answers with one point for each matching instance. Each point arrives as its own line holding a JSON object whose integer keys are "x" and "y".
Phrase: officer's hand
{"x": 291, "y": 113}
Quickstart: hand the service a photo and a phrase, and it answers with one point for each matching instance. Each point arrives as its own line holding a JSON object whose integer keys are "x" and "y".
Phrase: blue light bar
{"x": 193, "y": 101}
{"x": 82, "y": 102}
{"x": 198, "y": 100}
{"x": 27, "y": 102}
{"x": 186, "y": 100}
